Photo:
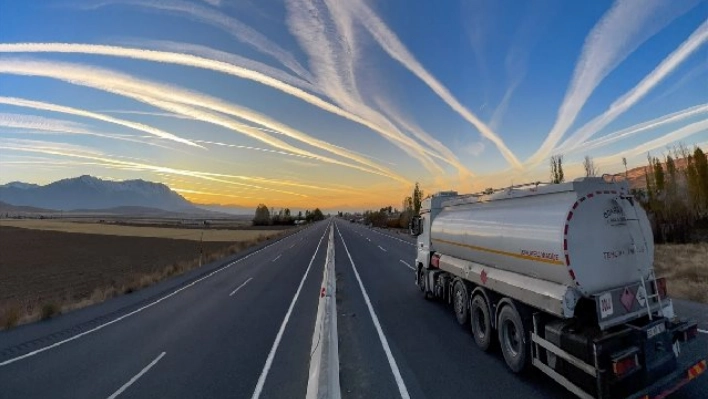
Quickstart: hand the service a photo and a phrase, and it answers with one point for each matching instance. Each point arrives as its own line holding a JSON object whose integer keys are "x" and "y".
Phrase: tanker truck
{"x": 560, "y": 277}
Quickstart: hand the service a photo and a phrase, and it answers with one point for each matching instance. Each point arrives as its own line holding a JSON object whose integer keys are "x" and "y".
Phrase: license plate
{"x": 655, "y": 330}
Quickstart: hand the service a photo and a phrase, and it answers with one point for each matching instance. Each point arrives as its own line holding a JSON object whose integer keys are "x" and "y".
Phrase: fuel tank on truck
{"x": 589, "y": 233}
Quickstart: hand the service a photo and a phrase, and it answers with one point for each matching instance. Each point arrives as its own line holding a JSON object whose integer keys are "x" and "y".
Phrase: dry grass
{"x": 211, "y": 235}
{"x": 685, "y": 267}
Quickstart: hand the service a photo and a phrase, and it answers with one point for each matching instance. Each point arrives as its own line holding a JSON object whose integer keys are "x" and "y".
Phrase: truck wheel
{"x": 460, "y": 301}
{"x": 421, "y": 284}
{"x": 512, "y": 338}
{"x": 481, "y": 322}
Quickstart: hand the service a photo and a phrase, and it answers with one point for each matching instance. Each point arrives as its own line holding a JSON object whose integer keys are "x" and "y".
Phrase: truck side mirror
{"x": 415, "y": 226}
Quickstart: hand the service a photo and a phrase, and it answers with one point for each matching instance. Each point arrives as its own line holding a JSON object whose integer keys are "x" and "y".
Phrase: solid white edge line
{"x": 135, "y": 378}
{"x": 702, "y": 331}
{"x": 279, "y": 336}
{"x": 384, "y": 342}
{"x": 240, "y": 286}
{"x": 149, "y": 305}
{"x": 382, "y": 248}
{"x": 406, "y": 263}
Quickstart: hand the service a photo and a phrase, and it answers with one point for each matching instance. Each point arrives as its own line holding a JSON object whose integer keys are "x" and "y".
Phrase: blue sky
{"x": 344, "y": 104}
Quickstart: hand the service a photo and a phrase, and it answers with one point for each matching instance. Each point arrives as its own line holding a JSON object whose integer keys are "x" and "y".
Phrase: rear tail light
{"x": 661, "y": 285}
{"x": 625, "y": 362}
{"x": 691, "y": 332}
{"x": 435, "y": 261}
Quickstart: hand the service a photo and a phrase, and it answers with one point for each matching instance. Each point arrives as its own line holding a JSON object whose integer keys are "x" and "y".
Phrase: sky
{"x": 344, "y": 105}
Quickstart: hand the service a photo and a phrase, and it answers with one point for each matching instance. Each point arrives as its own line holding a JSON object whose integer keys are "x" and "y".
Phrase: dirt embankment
{"x": 44, "y": 272}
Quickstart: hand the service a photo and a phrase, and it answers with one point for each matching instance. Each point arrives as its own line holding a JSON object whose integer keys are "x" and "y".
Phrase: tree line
{"x": 676, "y": 199}
{"x": 283, "y": 217}
{"x": 391, "y": 217}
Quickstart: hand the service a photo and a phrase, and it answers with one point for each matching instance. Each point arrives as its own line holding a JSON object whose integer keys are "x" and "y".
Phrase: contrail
{"x": 618, "y": 34}
{"x": 173, "y": 99}
{"x": 617, "y": 108}
{"x": 444, "y": 155}
{"x": 220, "y": 20}
{"x": 660, "y": 142}
{"x": 19, "y": 102}
{"x": 225, "y": 57}
{"x": 194, "y": 61}
{"x": 33, "y": 146}
{"x": 390, "y": 43}
{"x": 638, "y": 128}
{"x": 41, "y": 125}
{"x": 332, "y": 50}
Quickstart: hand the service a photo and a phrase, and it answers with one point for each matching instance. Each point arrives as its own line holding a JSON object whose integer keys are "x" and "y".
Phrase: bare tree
{"x": 590, "y": 168}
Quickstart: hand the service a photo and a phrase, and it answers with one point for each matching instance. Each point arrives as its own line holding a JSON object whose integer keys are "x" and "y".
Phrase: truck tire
{"x": 421, "y": 283}
{"x": 512, "y": 338}
{"x": 460, "y": 302}
{"x": 481, "y": 322}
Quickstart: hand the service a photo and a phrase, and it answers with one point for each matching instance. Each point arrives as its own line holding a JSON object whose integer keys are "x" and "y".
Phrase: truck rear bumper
{"x": 671, "y": 383}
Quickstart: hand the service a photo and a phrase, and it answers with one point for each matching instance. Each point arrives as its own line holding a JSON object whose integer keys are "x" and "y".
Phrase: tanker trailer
{"x": 562, "y": 277}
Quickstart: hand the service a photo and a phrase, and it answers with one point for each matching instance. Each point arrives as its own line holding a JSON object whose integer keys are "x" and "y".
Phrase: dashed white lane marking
{"x": 382, "y": 248}
{"x": 279, "y": 336}
{"x": 240, "y": 286}
{"x": 291, "y": 246}
{"x": 149, "y": 305}
{"x": 407, "y": 265}
{"x": 703, "y": 331}
{"x": 135, "y": 378}
{"x": 384, "y": 342}
{"x": 277, "y": 257}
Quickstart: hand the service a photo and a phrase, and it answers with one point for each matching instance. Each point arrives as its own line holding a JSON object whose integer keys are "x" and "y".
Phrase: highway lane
{"x": 436, "y": 356}
{"x": 220, "y": 332}
{"x": 200, "y": 342}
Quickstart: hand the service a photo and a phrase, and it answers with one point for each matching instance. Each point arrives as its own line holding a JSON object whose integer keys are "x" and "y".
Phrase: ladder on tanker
{"x": 651, "y": 277}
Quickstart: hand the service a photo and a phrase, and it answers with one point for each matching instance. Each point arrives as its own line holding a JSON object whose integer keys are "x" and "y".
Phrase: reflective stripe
{"x": 495, "y": 251}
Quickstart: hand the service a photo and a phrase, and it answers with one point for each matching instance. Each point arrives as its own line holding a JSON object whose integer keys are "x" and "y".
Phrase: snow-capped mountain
{"x": 87, "y": 192}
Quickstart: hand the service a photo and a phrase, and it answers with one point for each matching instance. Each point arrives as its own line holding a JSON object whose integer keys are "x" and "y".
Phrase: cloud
{"x": 199, "y": 62}
{"x": 640, "y": 127}
{"x": 19, "y": 102}
{"x": 617, "y": 108}
{"x": 220, "y": 20}
{"x": 443, "y": 153}
{"x": 80, "y": 152}
{"x": 327, "y": 37}
{"x": 228, "y": 58}
{"x": 390, "y": 43}
{"x": 176, "y": 100}
{"x": 622, "y": 29}
{"x": 695, "y": 72}
{"x": 475, "y": 149}
{"x": 676, "y": 135}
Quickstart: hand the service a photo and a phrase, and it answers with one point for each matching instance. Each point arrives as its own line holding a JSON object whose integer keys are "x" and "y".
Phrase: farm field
{"x": 62, "y": 265}
{"x": 188, "y": 233}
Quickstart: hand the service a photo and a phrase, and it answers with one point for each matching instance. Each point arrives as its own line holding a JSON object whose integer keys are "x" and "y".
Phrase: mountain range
{"x": 91, "y": 193}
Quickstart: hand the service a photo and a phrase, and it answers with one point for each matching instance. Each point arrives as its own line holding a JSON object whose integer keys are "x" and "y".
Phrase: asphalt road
{"x": 243, "y": 328}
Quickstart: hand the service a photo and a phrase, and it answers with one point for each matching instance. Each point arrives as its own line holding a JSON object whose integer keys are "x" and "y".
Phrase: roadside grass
{"x": 15, "y": 313}
{"x": 685, "y": 267}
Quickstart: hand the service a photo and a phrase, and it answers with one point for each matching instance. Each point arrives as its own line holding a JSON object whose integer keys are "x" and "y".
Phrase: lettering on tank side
{"x": 614, "y": 215}
{"x": 540, "y": 254}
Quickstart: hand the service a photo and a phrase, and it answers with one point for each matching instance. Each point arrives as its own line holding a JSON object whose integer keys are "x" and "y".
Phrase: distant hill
{"x": 88, "y": 193}
{"x": 15, "y": 210}
{"x": 636, "y": 176}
